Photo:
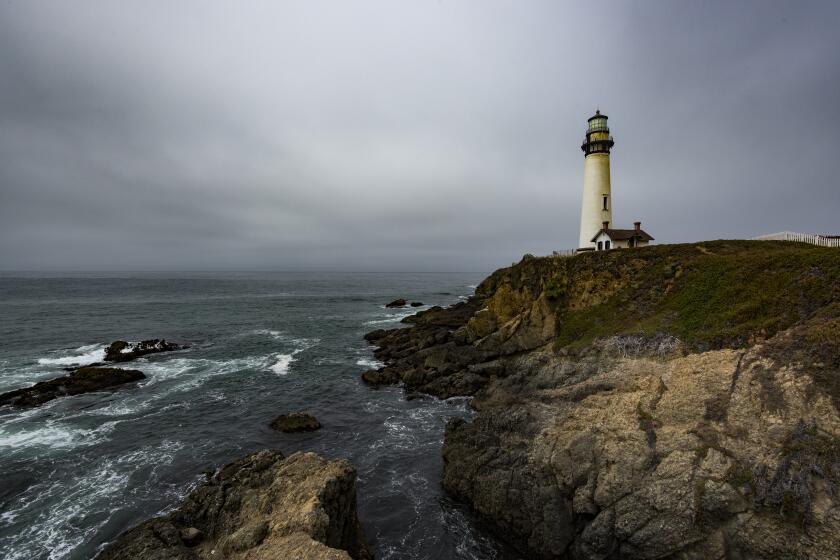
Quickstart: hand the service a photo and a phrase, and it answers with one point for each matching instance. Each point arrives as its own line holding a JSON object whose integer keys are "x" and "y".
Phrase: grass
{"x": 710, "y": 295}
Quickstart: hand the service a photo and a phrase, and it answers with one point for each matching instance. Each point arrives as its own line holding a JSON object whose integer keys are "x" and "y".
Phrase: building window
{"x": 600, "y": 246}
{"x": 605, "y": 203}
{"x": 607, "y": 244}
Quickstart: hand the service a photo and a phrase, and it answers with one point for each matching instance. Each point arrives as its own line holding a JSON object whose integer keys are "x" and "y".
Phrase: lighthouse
{"x": 596, "y": 209}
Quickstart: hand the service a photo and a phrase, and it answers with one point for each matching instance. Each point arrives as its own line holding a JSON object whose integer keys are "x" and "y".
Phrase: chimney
{"x": 606, "y": 225}
{"x": 637, "y": 225}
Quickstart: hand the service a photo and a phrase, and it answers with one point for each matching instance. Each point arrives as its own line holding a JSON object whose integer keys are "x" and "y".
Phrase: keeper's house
{"x": 608, "y": 238}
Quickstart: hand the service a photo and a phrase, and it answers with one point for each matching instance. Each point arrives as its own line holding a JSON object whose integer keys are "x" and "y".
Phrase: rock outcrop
{"x": 396, "y": 303}
{"x": 722, "y": 454}
{"x": 295, "y": 422}
{"x": 81, "y": 380}
{"x": 261, "y": 507}
{"x": 675, "y": 402}
{"x": 122, "y": 351}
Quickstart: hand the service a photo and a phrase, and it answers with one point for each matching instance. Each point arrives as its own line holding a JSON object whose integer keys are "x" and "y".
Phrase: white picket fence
{"x": 821, "y": 240}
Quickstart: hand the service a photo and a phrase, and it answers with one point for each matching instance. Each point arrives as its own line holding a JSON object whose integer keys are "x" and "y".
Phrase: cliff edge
{"x": 664, "y": 402}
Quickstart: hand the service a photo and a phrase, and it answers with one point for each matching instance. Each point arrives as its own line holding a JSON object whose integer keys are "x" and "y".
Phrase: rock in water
{"x": 122, "y": 351}
{"x": 295, "y": 422}
{"x": 82, "y": 380}
{"x": 261, "y": 507}
{"x": 416, "y": 304}
{"x": 396, "y": 303}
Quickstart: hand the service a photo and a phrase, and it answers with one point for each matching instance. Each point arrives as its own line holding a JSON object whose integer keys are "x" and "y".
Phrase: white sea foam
{"x": 369, "y": 363}
{"x": 391, "y": 318}
{"x": 189, "y": 373}
{"x": 282, "y": 363}
{"x": 51, "y": 435}
{"x": 268, "y": 332}
{"x": 123, "y": 408}
{"x": 80, "y": 356}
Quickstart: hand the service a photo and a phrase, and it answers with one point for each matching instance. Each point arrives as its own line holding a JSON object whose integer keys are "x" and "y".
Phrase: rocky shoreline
{"x": 666, "y": 402}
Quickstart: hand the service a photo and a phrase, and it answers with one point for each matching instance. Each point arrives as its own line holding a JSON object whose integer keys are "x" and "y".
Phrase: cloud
{"x": 400, "y": 135}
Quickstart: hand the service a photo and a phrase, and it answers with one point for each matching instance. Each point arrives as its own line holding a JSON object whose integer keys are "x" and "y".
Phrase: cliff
{"x": 665, "y": 402}
{"x": 259, "y": 507}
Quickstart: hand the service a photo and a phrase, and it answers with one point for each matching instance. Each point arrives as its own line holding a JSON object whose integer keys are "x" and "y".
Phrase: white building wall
{"x": 596, "y": 185}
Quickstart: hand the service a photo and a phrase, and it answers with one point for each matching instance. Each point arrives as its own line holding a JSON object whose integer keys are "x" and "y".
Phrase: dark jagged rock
{"x": 396, "y": 303}
{"x": 416, "y": 304}
{"x": 439, "y": 355}
{"x": 122, "y": 351}
{"x": 81, "y": 380}
{"x": 261, "y": 507}
{"x": 426, "y": 356}
{"x": 295, "y": 422}
{"x": 375, "y": 335}
{"x": 668, "y": 402}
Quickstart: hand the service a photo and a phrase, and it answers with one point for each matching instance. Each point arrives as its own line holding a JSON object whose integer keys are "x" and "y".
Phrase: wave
{"x": 51, "y": 435}
{"x": 82, "y": 355}
{"x": 192, "y": 372}
{"x": 282, "y": 363}
{"x": 392, "y": 317}
{"x": 50, "y": 506}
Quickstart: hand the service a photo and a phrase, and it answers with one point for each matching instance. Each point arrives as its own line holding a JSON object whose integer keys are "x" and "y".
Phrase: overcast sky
{"x": 402, "y": 135}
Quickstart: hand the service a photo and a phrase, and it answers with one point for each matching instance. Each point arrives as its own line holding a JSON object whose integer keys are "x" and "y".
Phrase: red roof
{"x": 624, "y": 234}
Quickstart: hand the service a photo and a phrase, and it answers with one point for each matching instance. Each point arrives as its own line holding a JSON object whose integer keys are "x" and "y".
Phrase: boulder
{"x": 381, "y": 376}
{"x": 261, "y": 507}
{"x": 396, "y": 303}
{"x": 375, "y": 335}
{"x": 295, "y": 422}
{"x": 416, "y": 304}
{"x": 122, "y": 351}
{"x": 191, "y": 536}
{"x": 81, "y": 380}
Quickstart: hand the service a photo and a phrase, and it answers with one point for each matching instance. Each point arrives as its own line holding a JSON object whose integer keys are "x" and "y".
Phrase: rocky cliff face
{"x": 666, "y": 402}
{"x": 263, "y": 506}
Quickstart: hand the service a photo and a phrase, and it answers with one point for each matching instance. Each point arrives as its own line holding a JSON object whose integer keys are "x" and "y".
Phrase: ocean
{"x": 79, "y": 470}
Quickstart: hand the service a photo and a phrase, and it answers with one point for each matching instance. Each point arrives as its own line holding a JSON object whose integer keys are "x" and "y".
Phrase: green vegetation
{"x": 710, "y": 295}
{"x": 554, "y": 289}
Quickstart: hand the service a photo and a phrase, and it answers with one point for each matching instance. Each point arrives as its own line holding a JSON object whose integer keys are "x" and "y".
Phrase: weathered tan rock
{"x": 680, "y": 458}
{"x": 262, "y": 507}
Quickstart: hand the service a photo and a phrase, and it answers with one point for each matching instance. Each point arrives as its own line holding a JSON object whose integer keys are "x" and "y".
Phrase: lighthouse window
{"x": 600, "y": 245}
{"x": 606, "y": 244}
{"x": 605, "y": 203}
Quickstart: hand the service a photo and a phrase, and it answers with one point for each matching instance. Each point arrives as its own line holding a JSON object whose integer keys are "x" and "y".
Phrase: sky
{"x": 398, "y": 135}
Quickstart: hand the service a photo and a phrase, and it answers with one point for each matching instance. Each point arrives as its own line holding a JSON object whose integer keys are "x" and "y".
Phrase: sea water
{"x": 77, "y": 471}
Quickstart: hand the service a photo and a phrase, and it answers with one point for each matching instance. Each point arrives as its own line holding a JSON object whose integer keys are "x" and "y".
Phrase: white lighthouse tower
{"x": 596, "y": 211}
